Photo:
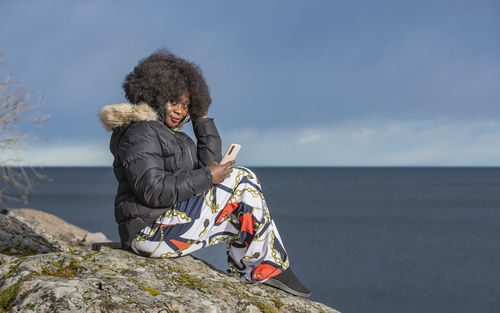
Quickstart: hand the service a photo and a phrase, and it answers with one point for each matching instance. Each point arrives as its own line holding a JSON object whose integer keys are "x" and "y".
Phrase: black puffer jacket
{"x": 155, "y": 166}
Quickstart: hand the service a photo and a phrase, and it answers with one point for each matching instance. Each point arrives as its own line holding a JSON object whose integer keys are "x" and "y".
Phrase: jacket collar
{"x": 123, "y": 114}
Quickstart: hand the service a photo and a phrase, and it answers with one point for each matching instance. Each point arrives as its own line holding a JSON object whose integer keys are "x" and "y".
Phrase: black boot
{"x": 287, "y": 281}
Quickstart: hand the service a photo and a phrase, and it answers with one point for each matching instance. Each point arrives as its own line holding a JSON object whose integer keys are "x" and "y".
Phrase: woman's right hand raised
{"x": 220, "y": 171}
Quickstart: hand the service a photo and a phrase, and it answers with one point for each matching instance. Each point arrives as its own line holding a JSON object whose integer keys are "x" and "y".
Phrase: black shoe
{"x": 287, "y": 281}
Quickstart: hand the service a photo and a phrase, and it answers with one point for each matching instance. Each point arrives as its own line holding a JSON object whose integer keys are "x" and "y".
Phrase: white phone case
{"x": 231, "y": 153}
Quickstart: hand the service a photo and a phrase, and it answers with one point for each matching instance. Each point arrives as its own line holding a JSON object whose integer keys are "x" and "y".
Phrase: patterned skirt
{"x": 233, "y": 211}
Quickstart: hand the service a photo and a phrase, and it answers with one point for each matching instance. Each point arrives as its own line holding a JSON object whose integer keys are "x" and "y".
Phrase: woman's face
{"x": 177, "y": 110}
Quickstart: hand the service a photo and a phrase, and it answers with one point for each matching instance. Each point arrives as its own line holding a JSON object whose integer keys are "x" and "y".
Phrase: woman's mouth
{"x": 175, "y": 120}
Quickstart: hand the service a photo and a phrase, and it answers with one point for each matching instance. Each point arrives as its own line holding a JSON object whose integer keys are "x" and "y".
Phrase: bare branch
{"x": 16, "y": 109}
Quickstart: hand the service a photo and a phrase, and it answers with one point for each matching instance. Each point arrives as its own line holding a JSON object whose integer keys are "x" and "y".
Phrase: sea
{"x": 367, "y": 239}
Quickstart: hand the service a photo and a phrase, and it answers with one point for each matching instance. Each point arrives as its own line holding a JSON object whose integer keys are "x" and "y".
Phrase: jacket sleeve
{"x": 208, "y": 141}
{"x": 141, "y": 156}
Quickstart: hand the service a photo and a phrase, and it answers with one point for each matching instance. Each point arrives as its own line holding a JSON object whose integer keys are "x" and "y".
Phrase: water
{"x": 363, "y": 239}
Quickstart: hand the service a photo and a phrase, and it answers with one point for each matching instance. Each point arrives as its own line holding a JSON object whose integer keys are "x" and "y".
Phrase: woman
{"x": 174, "y": 197}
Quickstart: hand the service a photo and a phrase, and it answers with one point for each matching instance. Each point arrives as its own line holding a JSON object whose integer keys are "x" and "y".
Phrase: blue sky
{"x": 331, "y": 83}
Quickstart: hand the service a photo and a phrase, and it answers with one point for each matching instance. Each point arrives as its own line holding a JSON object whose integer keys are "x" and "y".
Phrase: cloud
{"x": 365, "y": 143}
{"x": 362, "y": 143}
{"x": 61, "y": 154}
{"x": 309, "y": 136}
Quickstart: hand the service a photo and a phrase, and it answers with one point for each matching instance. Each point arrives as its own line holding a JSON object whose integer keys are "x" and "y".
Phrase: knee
{"x": 240, "y": 172}
{"x": 248, "y": 171}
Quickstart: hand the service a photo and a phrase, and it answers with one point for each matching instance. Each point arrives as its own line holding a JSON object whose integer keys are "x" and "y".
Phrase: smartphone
{"x": 231, "y": 153}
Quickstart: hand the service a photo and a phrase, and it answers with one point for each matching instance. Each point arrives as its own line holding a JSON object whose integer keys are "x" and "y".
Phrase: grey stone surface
{"x": 68, "y": 235}
{"x": 61, "y": 278}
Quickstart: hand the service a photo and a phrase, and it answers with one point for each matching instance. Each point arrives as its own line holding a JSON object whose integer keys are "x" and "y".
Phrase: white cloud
{"x": 308, "y": 136}
{"x": 368, "y": 143}
{"x": 62, "y": 154}
{"x": 419, "y": 143}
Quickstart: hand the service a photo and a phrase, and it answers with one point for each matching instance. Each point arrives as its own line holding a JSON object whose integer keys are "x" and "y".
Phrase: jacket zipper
{"x": 189, "y": 150}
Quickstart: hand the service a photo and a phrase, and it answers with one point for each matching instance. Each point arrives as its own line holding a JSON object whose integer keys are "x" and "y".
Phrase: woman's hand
{"x": 220, "y": 171}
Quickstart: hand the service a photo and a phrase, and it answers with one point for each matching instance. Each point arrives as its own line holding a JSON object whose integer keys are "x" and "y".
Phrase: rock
{"x": 18, "y": 238}
{"x": 80, "y": 280}
{"x": 67, "y": 234}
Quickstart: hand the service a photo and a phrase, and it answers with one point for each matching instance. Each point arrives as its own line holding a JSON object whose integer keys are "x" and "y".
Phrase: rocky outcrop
{"x": 57, "y": 276}
{"x": 66, "y": 234}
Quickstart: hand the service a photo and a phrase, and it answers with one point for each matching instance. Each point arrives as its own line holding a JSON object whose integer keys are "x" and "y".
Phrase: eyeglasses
{"x": 173, "y": 102}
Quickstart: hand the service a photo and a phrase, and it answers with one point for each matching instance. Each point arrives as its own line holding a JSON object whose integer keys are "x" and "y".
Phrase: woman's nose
{"x": 178, "y": 109}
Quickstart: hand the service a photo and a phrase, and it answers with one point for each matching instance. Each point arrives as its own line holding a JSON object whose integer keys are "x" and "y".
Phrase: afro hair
{"x": 163, "y": 76}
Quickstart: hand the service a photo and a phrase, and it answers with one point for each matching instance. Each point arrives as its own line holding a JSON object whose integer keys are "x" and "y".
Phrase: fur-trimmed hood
{"x": 121, "y": 114}
{"x": 116, "y": 115}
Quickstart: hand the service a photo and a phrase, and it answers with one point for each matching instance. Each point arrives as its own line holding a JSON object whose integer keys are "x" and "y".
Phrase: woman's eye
{"x": 185, "y": 105}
